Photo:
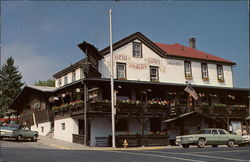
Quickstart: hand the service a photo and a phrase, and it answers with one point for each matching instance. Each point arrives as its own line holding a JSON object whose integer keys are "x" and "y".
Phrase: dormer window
{"x": 188, "y": 70}
{"x": 65, "y": 79}
{"x": 73, "y": 76}
{"x": 220, "y": 73}
{"x": 59, "y": 82}
{"x": 137, "y": 49}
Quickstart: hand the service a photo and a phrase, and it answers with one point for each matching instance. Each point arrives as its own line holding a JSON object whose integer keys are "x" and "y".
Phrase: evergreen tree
{"x": 48, "y": 83}
{"x": 10, "y": 84}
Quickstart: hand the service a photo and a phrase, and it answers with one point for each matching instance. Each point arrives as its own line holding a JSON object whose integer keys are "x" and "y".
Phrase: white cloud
{"x": 33, "y": 65}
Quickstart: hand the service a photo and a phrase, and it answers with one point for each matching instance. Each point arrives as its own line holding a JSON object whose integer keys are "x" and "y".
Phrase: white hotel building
{"x": 151, "y": 104}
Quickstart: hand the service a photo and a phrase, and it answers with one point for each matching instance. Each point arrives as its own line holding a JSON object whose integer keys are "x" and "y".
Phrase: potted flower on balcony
{"x": 220, "y": 108}
{"x": 238, "y": 109}
{"x": 205, "y": 107}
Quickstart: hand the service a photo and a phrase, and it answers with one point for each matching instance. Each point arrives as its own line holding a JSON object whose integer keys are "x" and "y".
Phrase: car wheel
{"x": 34, "y": 138}
{"x": 201, "y": 143}
{"x": 1, "y": 138}
{"x": 230, "y": 143}
{"x": 19, "y": 138}
{"x": 185, "y": 145}
{"x": 214, "y": 145}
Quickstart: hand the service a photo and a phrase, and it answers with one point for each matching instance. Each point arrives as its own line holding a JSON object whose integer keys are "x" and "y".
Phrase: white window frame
{"x": 123, "y": 72}
{"x": 188, "y": 69}
{"x": 65, "y": 79}
{"x": 204, "y": 70}
{"x": 137, "y": 49}
{"x": 220, "y": 73}
{"x": 81, "y": 73}
{"x": 63, "y": 126}
{"x": 73, "y": 76}
{"x": 154, "y": 75}
{"x": 59, "y": 82}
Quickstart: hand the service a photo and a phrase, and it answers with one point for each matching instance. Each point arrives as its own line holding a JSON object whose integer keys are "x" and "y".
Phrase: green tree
{"x": 48, "y": 83}
{"x": 10, "y": 84}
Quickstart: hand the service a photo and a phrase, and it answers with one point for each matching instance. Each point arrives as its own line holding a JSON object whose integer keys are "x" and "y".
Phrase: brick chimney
{"x": 192, "y": 42}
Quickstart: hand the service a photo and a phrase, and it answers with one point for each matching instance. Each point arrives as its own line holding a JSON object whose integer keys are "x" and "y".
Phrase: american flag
{"x": 189, "y": 89}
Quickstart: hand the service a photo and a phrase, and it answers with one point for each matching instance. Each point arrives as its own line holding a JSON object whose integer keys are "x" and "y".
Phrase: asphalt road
{"x": 35, "y": 152}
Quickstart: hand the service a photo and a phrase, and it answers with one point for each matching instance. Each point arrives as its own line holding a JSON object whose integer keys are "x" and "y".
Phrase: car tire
{"x": 214, "y": 145}
{"x": 185, "y": 145}
{"x": 230, "y": 143}
{"x": 201, "y": 143}
{"x": 34, "y": 138}
{"x": 19, "y": 138}
{"x": 1, "y": 138}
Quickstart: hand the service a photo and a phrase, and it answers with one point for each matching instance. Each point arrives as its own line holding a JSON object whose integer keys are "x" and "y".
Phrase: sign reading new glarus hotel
{"x": 142, "y": 64}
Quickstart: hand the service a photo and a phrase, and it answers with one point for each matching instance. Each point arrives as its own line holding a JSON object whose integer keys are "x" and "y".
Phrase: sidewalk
{"x": 59, "y": 144}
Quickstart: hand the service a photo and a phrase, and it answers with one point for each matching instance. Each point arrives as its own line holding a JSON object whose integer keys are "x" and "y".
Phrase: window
{"x": 220, "y": 73}
{"x": 221, "y": 131}
{"x": 121, "y": 71}
{"x": 204, "y": 131}
{"x": 81, "y": 73}
{"x": 137, "y": 49}
{"x": 66, "y": 79}
{"x": 204, "y": 71}
{"x": 188, "y": 71}
{"x": 122, "y": 125}
{"x": 73, "y": 76}
{"x": 154, "y": 73}
{"x": 59, "y": 82}
{"x": 214, "y": 131}
{"x": 63, "y": 126}
{"x": 42, "y": 129}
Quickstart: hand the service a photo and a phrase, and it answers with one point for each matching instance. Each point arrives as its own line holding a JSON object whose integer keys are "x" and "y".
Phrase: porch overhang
{"x": 187, "y": 114}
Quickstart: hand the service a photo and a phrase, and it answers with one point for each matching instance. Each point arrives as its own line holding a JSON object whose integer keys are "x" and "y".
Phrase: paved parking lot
{"x": 34, "y": 151}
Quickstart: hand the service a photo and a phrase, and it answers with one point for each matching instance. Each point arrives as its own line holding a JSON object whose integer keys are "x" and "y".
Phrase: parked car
{"x": 7, "y": 131}
{"x": 25, "y": 133}
{"x": 210, "y": 136}
{"x": 246, "y": 140}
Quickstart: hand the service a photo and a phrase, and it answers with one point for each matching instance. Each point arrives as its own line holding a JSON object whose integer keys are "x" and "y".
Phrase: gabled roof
{"x": 168, "y": 51}
{"x": 69, "y": 68}
{"x": 179, "y": 50}
{"x": 131, "y": 38}
{"x": 42, "y": 88}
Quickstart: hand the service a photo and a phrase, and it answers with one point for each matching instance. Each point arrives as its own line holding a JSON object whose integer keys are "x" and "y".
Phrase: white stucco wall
{"x": 100, "y": 127}
{"x": 78, "y": 76}
{"x": 170, "y": 70}
{"x": 38, "y": 127}
{"x": 71, "y": 127}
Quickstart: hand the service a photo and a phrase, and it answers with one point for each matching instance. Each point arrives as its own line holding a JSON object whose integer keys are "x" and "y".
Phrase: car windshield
{"x": 204, "y": 131}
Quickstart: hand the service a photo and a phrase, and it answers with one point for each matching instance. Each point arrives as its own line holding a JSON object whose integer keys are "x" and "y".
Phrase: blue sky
{"x": 43, "y": 36}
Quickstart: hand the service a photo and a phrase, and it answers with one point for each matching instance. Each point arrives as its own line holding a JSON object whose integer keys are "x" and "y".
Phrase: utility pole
{"x": 112, "y": 79}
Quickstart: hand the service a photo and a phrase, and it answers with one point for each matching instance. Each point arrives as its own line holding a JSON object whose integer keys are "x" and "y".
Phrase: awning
{"x": 186, "y": 114}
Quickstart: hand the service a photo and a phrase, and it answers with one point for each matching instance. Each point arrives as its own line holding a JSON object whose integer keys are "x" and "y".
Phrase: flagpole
{"x": 112, "y": 79}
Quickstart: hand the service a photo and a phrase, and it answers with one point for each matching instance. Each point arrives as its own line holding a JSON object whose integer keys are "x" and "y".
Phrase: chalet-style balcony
{"x": 149, "y": 107}
{"x": 222, "y": 109}
{"x": 122, "y": 107}
{"x": 72, "y": 108}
